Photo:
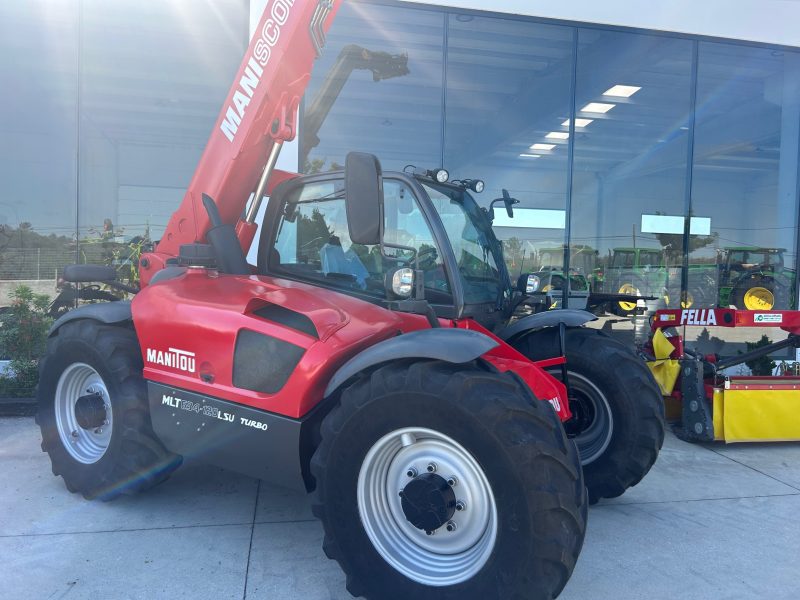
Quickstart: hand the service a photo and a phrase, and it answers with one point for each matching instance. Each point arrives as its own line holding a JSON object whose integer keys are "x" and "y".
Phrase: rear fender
{"x": 446, "y": 344}
{"x": 109, "y": 313}
{"x": 553, "y": 318}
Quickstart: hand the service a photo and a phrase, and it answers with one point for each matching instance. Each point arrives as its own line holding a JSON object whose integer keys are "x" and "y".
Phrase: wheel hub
{"x": 428, "y": 502}
{"x": 84, "y": 416}
{"x": 432, "y": 535}
{"x": 90, "y": 411}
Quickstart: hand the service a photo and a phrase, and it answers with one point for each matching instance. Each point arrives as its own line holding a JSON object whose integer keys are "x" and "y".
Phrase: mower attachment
{"x": 726, "y": 408}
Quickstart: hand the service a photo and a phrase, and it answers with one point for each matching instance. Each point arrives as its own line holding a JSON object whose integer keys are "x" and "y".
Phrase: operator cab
{"x": 434, "y": 244}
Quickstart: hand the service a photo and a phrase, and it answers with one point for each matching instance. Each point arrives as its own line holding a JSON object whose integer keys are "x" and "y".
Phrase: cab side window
{"x": 313, "y": 242}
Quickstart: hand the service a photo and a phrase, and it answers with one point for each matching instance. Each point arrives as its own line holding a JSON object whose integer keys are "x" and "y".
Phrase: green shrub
{"x": 23, "y": 338}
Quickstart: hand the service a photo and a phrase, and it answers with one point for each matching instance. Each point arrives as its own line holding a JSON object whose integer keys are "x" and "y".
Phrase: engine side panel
{"x": 189, "y": 328}
{"x": 228, "y": 435}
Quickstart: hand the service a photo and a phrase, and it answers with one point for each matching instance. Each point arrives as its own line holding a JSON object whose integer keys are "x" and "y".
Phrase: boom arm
{"x": 383, "y": 66}
{"x": 257, "y": 117}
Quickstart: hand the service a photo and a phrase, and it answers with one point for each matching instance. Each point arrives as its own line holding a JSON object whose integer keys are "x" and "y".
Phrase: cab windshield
{"x": 476, "y": 249}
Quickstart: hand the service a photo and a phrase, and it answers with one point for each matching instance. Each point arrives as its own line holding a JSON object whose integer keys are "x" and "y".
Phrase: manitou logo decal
{"x": 262, "y": 51}
{"x": 183, "y": 360}
{"x": 698, "y": 316}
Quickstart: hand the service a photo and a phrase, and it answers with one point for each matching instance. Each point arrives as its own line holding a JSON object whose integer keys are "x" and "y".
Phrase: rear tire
{"x": 619, "y": 413}
{"x": 754, "y": 292}
{"x": 122, "y": 455}
{"x": 458, "y": 415}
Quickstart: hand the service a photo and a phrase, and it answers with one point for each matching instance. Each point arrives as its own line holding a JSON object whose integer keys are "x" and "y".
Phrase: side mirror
{"x": 509, "y": 202}
{"x": 528, "y": 283}
{"x": 364, "y": 198}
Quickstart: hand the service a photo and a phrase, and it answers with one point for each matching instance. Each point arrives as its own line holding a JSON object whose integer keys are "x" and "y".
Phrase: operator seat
{"x": 335, "y": 260}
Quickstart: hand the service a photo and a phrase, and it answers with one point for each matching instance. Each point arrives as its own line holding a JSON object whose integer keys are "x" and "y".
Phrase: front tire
{"x": 632, "y": 285}
{"x": 618, "y": 412}
{"x": 508, "y": 516}
{"x": 93, "y": 412}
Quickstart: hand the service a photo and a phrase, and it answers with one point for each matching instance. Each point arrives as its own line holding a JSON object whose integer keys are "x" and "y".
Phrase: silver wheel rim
{"x": 84, "y": 445}
{"x": 445, "y": 557}
{"x": 593, "y": 441}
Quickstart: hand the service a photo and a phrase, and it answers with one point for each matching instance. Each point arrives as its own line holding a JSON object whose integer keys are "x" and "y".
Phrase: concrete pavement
{"x": 707, "y": 522}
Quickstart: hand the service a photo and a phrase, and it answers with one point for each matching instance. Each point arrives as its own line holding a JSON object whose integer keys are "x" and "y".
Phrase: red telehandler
{"x": 370, "y": 357}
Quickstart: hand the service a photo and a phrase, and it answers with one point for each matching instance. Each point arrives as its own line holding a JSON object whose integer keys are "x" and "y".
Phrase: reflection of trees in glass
{"x": 673, "y": 243}
{"x": 514, "y": 254}
{"x": 317, "y": 165}
{"x": 312, "y": 233}
{"x": 28, "y": 254}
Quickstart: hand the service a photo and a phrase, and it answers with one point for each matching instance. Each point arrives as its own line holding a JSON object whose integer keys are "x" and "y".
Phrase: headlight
{"x": 403, "y": 282}
{"x": 441, "y": 175}
{"x": 476, "y": 185}
{"x": 532, "y": 285}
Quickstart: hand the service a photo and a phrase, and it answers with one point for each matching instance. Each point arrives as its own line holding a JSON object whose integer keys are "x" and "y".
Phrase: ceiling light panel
{"x": 542, "y": 146}
{"x": 557, "y": 135}
{"x": 622, "y": 91}
{"x": 597, "y": 107}
{"x": 578, "y": 122}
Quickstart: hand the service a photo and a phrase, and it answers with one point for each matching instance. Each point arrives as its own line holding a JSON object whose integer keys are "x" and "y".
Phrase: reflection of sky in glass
{"x": 38, "y": 68}
{"x": 152, "y": 77}
{"x": 398, "y": 119}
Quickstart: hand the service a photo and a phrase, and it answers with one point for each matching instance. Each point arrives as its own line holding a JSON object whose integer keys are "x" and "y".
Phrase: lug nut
{"x": 431, "y": 467}
{"x": 412, "y": 472}
{"x": 451, "y": 526}
{"x": 461, "y": 505}
{"x": 452, "y": 481}
{"x": 429, "y": 532}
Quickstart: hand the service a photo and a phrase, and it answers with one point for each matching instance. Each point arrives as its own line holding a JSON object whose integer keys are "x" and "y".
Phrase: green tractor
{"x": 551, "y": 278}
{"x": 754, "y": 278}
{"x": 635, "y": 272}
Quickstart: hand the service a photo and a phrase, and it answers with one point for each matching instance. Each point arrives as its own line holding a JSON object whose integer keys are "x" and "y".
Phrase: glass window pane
{"x": 392, "y": 113}
{"x": 745, "y": 180}
{"x": 745, "y": 176}
{"x": 313, "y": 242}
{"x": 508, "y": 85}
{"x": 630, "y": 160}
{"x": 153, "y": 78}
{"x": 38, "y": 143}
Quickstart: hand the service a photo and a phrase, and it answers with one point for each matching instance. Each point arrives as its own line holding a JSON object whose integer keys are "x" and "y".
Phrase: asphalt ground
{"x": 714, "y": 521}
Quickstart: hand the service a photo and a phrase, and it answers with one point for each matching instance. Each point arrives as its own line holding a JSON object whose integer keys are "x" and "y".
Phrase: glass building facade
{"x": 105, "y": 111}
{"x": 646, "y": 162}
{"x": 652, "y": 162}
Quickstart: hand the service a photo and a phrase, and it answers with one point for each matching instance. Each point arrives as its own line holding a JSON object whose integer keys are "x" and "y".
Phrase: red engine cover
{"x": 188, "y": 327}
{"x": 199, "y": 315}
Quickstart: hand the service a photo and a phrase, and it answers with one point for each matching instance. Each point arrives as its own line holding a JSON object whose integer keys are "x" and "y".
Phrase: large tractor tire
{"x": 441, "y": 481}
{"x": 632, "y": 285}
{"x": 755, "y": 292}
{"x": 618, "y": 412}
{"x": 94, "y": 415}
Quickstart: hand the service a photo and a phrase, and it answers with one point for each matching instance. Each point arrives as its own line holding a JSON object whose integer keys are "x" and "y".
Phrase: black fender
{"x": 105, "y": 312}
{"x": 447, "y": 344}
{"x": 551, "y": 318}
